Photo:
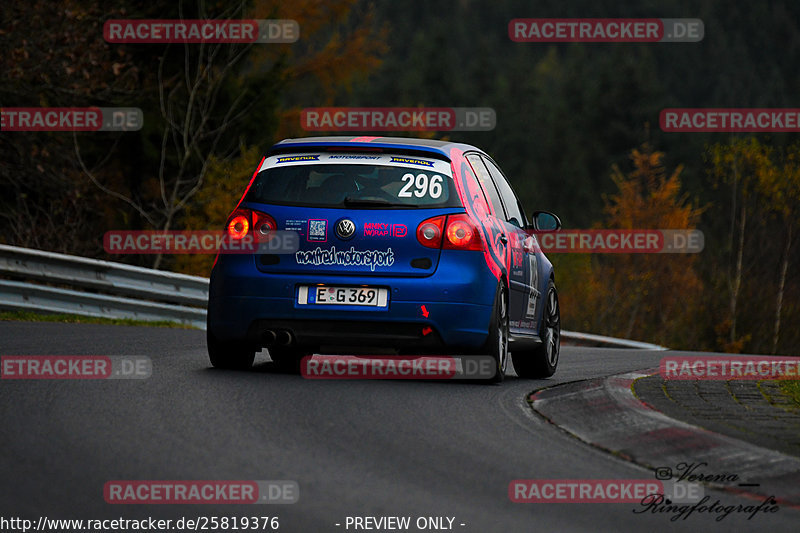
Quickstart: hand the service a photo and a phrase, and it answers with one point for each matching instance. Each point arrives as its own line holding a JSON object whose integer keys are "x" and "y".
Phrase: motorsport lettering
{"x": 351, "y": 257}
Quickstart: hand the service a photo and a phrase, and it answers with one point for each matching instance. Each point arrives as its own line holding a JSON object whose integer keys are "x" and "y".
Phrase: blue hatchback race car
{"x": 402, "y": 246}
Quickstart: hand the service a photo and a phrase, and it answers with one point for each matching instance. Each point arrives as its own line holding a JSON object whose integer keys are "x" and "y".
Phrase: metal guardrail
{"x": 119, "y": 290}
{"x": 104, "y": 276}
{"x": 137, "y": 293}
{"x": 589, "y": 339}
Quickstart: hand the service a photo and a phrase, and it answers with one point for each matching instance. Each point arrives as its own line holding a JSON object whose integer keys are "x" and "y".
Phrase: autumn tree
{"x": 765, "y": 181}
{"x": 211, "y": 95}
{"x": 53, "y": 55}
{"x": 200, "y": 103}
{"x": 224, "y": 184}
{"x": 742, "y": 165}
{"x": 780, "y": 184}
{"x": 337, "y": 47}
{"x": 647, "y": 296}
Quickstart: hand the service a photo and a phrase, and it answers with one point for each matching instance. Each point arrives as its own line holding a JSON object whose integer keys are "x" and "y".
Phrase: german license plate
{"x": 332, "y": 295}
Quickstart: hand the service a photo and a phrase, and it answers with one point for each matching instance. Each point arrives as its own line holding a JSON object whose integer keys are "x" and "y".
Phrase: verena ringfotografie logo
{"x": 582, "y": 490}
{"x": 201, "y": 492}
{"x": 730, "y": 120}
{"x": 75, "y": 367}
{"x": 395, "y": 367}
{"x": 606, "y": 30}
{"x": 199, "y": 242}
{"x": 677, "y": 498}
{"x": 398, "y": 119}
{"x": 682, "y": 486}
{"x": 620, "y": 241}
{"x": 729, "y": 368}
{"x": 71, "y": 119}
{"x": 201, "y": 31}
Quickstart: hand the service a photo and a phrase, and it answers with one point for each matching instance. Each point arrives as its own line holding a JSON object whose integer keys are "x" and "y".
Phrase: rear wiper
{"x": 366, "y": 202}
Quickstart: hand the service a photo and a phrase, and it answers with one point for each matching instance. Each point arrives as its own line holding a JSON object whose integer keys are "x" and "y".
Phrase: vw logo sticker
{"x": 345, "y": 228}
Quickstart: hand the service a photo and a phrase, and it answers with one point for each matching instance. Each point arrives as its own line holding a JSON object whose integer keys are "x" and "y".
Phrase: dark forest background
{"x": 577, "y": 133}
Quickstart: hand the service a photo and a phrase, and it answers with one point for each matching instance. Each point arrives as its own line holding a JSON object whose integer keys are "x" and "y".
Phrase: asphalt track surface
{"x": 356, "y": 448}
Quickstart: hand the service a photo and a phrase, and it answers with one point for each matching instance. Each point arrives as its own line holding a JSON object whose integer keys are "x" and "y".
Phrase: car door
{"x": 512, "y": 238}
{"x": 524, "y": 267}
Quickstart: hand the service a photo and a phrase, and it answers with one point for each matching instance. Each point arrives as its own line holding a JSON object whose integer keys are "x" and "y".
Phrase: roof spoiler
{"x": 292, "y": 147}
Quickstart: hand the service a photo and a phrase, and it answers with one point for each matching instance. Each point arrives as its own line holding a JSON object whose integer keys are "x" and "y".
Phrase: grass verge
{"x": 29, "y": 316}
{"x": 791, "y": 388}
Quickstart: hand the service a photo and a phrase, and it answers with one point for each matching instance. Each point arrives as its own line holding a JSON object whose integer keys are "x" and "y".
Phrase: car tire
{"x": 229, "y": 355}
{"x": 541, "y": 362}
{"x": 286, "y": 359}
{"x": 497, "y": 343}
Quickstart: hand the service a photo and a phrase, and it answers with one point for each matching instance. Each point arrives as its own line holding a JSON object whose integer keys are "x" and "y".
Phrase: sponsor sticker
{"x": 411, "y": 161}
{"x": 317, "y": 230}
{"x": 295, "y": 158}
{"x": 383, "y": 229}
{"x": 352, "y": 257}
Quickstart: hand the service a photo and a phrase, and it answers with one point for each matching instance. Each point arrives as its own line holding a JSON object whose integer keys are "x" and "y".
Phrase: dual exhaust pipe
{"x": 280, "y": 337}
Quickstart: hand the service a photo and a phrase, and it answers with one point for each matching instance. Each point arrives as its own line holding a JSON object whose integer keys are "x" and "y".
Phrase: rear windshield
{"x": 369, "y": 181}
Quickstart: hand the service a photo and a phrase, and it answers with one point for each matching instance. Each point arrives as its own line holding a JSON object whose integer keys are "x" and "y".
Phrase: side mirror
{"x": 545, "y": 221}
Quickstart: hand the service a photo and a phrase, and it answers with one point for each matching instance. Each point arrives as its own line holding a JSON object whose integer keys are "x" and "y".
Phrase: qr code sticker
{"x": 318, "y": 230}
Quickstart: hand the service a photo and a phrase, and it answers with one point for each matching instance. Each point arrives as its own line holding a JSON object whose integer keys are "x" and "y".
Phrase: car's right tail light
{"x": 461, "y": 233}
{"x": 451, "y": 232}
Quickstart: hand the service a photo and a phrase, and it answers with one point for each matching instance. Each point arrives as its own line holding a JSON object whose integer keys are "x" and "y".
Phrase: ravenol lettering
{"x": 412, "y": 161}
{"x": 298, "y": 158}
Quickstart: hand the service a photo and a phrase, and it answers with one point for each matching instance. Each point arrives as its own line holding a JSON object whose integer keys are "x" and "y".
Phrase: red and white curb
{"x": 605, "y": 413}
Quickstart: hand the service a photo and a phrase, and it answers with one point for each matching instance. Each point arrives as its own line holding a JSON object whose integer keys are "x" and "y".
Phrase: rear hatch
{"x": 354, "y": 213}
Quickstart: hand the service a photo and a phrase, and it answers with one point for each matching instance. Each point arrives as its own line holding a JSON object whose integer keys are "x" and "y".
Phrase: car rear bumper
{"x": 245, "y": 304}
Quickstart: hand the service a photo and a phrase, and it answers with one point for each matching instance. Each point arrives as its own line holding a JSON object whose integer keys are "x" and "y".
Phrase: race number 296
{"x": 422, "y": 186}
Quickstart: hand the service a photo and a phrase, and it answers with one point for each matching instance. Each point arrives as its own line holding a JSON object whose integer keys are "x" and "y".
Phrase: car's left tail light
{"x": 259, "y": 225}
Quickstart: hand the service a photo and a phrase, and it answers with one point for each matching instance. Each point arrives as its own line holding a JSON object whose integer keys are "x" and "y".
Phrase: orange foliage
{"x": 335, "y": 48}
{"x": 649, "y": 297}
